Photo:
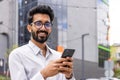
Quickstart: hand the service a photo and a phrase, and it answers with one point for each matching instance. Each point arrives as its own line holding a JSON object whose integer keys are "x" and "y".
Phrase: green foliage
{"x": 4, "y": 78}
{"x": 9, "y": 50}
{"x": 117, "y": 69}
{"x": 117, "y": 73}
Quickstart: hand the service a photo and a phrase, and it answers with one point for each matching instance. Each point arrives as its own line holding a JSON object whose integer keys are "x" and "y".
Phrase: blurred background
{"x": 83, "y": 25}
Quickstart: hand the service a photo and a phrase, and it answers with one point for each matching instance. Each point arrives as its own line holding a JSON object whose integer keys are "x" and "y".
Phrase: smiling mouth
{"x": 42, "y": 34}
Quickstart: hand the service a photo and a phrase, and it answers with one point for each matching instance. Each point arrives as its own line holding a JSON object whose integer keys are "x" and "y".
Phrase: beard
{"x": 40, "y": 39}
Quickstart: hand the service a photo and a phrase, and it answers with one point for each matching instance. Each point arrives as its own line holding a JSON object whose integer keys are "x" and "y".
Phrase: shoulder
{"x": 18, "y": 51}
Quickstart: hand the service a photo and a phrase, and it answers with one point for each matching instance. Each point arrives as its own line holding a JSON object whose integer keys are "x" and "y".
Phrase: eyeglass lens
{"x": 39, "y": 24}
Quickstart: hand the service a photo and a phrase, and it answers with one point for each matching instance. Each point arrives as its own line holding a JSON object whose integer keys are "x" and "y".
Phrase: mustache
{"x": 42, "y": 32}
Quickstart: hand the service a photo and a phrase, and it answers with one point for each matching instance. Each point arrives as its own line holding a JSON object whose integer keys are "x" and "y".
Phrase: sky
{"x": 114, "y": 13}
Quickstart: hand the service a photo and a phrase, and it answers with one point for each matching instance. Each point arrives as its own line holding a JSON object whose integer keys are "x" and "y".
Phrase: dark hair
{"x": 44, "y": 9}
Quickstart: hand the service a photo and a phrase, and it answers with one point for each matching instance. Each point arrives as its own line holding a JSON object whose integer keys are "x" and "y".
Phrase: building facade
{"x": 103, "y": 31}
{"x": 8, "y": 29}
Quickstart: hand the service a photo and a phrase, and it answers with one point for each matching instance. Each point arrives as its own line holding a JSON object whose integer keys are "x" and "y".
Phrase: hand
{"x": 67, "y": 67}
{"x": 52, "y": 68}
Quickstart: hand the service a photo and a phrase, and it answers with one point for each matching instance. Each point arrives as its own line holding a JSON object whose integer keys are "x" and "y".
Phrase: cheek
{"x": 33, "y": 32}
{"x": 50, "y": 31}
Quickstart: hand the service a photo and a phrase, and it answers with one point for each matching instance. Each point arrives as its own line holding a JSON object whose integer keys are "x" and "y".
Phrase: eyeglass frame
{"x": 47, "y": 27}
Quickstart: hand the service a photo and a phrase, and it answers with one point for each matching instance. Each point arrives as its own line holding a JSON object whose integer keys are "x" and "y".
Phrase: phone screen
{"x": 68, "y": 53}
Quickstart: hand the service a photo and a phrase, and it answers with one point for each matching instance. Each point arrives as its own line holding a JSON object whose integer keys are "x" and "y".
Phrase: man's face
{"x": 41, "y": 27}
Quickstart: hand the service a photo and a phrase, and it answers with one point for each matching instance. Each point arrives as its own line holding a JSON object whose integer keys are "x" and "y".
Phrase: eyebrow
{"x": 41, "y": 21}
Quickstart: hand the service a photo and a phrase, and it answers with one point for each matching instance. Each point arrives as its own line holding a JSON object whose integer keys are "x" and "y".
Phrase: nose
{"x": 43, "y": 27}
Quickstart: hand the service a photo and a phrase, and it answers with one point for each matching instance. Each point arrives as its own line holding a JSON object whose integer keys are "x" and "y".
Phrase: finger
{"x": 56, "y": 65}
{"x": 60, "y": 60}
{"x": 69, "y": 59}
{"x": 65, "y": 69}
{"x": 68, "y": 64}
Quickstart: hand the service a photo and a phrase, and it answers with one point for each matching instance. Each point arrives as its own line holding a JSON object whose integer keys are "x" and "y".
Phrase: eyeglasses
{"x": 39, "y": 24}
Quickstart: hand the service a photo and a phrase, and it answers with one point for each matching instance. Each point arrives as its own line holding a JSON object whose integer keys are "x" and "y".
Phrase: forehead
{"x": 41, "y": 17}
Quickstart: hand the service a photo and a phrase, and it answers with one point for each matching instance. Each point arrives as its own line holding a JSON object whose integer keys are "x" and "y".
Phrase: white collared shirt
{"x": 26, "y": 62}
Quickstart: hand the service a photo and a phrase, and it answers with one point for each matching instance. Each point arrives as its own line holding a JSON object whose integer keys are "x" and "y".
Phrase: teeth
{"x": 41, "y": 34}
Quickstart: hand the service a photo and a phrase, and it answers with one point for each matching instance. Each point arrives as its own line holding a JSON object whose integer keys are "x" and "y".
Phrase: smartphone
{"x": 68, "y": 53}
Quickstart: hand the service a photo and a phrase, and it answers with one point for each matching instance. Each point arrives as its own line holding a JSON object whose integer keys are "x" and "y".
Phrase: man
{"x": 35, "y": 60}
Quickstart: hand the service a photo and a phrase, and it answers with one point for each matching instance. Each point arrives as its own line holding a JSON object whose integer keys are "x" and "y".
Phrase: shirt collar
{"x": 36, "y": 49}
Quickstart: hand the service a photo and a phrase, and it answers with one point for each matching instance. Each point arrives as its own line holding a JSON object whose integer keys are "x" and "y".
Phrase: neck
{"x": 42, "y": 46}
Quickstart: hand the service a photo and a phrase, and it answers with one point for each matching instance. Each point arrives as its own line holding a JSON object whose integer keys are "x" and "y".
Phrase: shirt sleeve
{"x": 73, "y": 78}
{"x": 64, "y": 78}
{"x": 17, "y": 70}
{"x": 38, "y": 76}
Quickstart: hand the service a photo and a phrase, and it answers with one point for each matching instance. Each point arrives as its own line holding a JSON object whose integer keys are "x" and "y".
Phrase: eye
{"x": 48, "y": 24}
{"x": 38, "y": 23}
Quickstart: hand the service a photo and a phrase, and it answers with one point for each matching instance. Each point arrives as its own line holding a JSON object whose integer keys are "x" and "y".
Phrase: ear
{"x": 29, "y": 28}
